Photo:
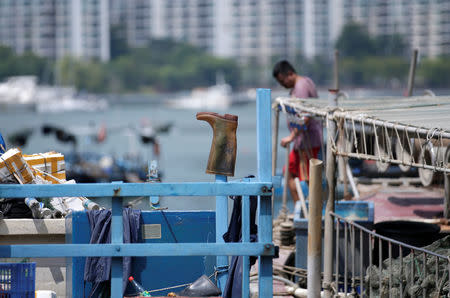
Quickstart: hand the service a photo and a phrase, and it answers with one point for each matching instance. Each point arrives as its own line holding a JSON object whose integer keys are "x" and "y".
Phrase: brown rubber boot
{"x": 222, "y": 156}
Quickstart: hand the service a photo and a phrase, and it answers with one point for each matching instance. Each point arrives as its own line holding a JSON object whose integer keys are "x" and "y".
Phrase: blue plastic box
{"x": 17, "y": 280}
{"x": 359, "y": 211}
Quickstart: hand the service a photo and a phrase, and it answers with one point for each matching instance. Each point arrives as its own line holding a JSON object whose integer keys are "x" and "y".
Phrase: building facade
{"x": 259, "y": 31}
{"x": 53, "y": 28}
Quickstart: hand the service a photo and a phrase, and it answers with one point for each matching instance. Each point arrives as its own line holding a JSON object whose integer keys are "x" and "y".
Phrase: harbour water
{"x": 184, "y": 150}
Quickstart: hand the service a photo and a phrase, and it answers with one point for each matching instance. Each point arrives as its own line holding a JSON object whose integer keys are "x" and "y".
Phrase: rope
{"x": 385, "y": 132}
{"x": 169, "y": 226}
{"x": 169, "y": 288}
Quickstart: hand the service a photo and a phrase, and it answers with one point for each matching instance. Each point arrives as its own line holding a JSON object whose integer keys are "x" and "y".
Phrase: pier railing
{"x": 261, "y": 186}
{"x": 366, "y": 264}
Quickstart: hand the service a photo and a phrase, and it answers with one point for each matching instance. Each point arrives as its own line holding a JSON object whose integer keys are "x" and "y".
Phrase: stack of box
{"x": 50, "y": 166}
{"x": 14, "y": 168}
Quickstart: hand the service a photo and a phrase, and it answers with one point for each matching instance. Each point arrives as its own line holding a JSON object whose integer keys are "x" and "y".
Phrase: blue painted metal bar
{"x": 264, "y": 160}
{"x": 134, "y": 189}
{"x": 117, "y": 238}
{"x": 135, "y": 249}
{"x": 116, "y": 277}
{"x": 221, "y": 228}
{"x": 245, "y": 239}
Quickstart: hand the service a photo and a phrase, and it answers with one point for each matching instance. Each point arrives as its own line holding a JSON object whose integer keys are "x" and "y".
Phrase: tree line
{"x": 382, "y": 61}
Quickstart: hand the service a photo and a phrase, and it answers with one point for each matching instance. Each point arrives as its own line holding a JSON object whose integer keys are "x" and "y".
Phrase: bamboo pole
{"x": 331, "y": 182}
{"x": 315, "y": 228}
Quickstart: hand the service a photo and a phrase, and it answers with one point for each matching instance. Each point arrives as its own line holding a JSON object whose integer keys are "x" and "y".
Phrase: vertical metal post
{"x": 345, "y": 258}
{"x": 338, "y": 229}
{"x": 275, "y": 147}
{"x": 275, "y": 140}
{"x": 245, "y": 239}
{"x": 361, "y": 261}
{"x": 116, "y": 238}
{"x": 284, "y": 211}
{"x": 264, "y": 155}
{"x": 331, "y": 182}
{"x": 221, "y": 228}
{"x": 447, "y": 193}
{"x": 336, "y": 70}
{"x": 315, "y": 228}
{"x": 447, "y": 185}
{"x": 412, "y": 73}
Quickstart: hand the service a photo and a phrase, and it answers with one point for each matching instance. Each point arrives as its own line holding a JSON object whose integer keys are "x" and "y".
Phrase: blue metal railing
{"x": 261, "y": 187}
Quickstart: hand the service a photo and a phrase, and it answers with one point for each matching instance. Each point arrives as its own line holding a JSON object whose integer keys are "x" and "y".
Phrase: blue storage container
{"x": 151, "y": 272}
{"x": 17, "y": 280}
{"x": 359, "y": 212}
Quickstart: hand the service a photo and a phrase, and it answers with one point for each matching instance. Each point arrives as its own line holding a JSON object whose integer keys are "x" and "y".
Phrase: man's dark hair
{"x": 282, "y": 67}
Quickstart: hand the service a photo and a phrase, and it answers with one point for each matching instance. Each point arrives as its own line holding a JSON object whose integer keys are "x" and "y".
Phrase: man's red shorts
{"x": 299, "y": 162}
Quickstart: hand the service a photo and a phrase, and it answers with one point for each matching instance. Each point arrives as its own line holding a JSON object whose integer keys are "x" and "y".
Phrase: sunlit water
{"x": 185, "y": 149}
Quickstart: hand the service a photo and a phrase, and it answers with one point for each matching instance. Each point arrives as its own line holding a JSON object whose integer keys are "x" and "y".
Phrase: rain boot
{"x": 222, "y": 156}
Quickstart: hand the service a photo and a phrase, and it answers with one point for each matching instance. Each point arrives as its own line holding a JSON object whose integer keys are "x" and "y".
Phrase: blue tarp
{"x": 2, "y": 145}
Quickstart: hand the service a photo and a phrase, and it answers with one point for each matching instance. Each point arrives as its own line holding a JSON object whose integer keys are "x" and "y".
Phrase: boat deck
{"x": 404, "y": 202}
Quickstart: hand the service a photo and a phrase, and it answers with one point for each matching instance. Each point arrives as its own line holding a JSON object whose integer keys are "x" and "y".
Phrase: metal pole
{"x": 221, "y": 228}
{"x": 117, "y": 238}
{"x": 283, "y": 212}
{"x": 275, "y": 140}
{"x": 331, "y": 181}
{"x": 412, "y": 72}
{"x": 275, "y": 148}
{"x": 315, "y": 228}
{"x": 264, "y": 155}
{"x": 336, "y": 70}
{"x": 447, "y": 185}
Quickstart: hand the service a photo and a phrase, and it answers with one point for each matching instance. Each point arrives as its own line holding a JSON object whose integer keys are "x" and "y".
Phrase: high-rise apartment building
{"x": 249, "y": 30}
{"x": 53, "y": 28}
{"x": 423, "y": 24}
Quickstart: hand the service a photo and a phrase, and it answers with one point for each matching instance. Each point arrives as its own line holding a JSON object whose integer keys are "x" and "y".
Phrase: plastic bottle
{"x": 140, "y": 289}
{"x": 89, "y": 205}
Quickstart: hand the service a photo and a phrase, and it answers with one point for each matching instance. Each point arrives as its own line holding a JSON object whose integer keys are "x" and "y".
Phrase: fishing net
{"x": 415, "y": 275}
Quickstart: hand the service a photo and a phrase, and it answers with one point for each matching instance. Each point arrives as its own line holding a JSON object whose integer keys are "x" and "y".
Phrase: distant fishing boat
{"x": 24, "y": 91}
{"x": 218, "y": 96}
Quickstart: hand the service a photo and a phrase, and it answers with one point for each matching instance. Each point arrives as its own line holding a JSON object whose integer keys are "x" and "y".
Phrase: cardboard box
{"x": 14, "y": 168}
{"x": 48, "y": 163}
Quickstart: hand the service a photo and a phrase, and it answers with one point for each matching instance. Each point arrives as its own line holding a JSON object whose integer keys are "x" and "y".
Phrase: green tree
{"x": 355, "y": 41}
{"x": 118, "y": 42}
{"x": 390, "y": 45}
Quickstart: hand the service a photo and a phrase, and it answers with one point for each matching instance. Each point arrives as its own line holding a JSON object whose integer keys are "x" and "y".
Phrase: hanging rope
{"x": 371, "y": 138}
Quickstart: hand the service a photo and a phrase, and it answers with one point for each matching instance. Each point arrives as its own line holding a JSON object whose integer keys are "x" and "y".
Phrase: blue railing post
{"x": 117, "y": 238}
{"x": 221, "y": 228}
{"x": 264, "y": 160}
{"x": 245, "y": 239}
